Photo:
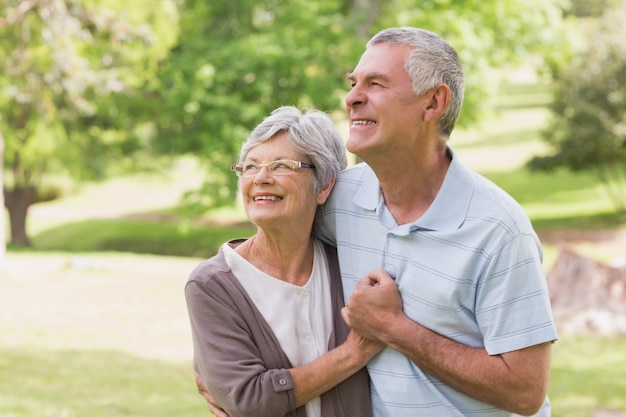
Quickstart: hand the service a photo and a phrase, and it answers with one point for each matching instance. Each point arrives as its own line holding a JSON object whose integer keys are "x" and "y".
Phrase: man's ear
{"x": 322, "y": 196}
{"x": 438, "y": 101}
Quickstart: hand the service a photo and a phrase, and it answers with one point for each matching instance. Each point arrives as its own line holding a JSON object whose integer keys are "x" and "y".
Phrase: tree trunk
{"x": 3, "y": 235}
{"x": 586, "y": 295}
{"x": 364, "y": 14}
{"x": 17, "y": 201}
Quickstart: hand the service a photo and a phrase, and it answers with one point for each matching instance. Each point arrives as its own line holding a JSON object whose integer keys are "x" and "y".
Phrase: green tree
{"x": 490, "y": 37}
{"x": 73, "y": 73}
{"x": 588, "y": 126}
{"x": 237, "y": 61}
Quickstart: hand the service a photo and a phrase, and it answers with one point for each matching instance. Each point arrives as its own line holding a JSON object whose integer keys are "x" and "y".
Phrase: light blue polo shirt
{"x": 469, "y": 269}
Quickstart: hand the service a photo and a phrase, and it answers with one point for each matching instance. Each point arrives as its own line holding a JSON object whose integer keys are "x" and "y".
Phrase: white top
{"x": 300, "y": 317}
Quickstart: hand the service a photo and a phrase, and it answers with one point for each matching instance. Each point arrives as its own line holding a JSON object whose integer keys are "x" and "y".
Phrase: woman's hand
{"x": 213, "y": 406}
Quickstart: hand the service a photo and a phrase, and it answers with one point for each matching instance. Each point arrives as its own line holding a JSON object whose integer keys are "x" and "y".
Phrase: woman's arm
{"x": 242, "y": 364}
{"x": 313, "y": 379}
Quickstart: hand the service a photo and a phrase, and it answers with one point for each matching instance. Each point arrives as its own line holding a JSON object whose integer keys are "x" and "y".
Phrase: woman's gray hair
{"x": 311, "y": 133}
{"x": 433, "y": 61}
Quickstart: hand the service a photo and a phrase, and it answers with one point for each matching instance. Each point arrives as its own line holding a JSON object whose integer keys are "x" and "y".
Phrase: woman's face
{"x": 283, "y": 199}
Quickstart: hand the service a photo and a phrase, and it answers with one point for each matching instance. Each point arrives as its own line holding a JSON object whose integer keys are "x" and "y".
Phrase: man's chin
{"x": 355, "y": 145}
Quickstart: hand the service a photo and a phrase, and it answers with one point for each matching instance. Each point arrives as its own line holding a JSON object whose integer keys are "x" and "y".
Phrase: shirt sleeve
{"x": 512, "y": 304}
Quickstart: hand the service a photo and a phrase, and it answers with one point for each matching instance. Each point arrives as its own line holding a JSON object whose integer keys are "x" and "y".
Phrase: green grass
{"x": 561, "y": 199}
{"x": 68, "y": 383}
{"x": 95, "y": 335}
{"x": 139, "y": 236}
{"x": 588, "y": 372}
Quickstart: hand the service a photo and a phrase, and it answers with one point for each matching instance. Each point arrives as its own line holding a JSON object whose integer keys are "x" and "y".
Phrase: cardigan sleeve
{"x": 238, "y": 359}
{"x": 352, "y": 396}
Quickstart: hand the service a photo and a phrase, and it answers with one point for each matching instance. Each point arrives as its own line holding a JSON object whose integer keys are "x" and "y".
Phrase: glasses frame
{"x": 241, "y": 171}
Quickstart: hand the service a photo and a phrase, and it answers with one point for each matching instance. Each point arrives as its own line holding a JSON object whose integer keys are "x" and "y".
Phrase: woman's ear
{"x": 322, "y": 196}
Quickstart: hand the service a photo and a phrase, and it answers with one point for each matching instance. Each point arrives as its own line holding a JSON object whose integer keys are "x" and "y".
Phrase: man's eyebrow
{"x": 368, "y": 77}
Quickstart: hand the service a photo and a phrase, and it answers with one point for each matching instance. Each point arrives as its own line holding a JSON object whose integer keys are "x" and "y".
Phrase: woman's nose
{"x": 263, "y": 176}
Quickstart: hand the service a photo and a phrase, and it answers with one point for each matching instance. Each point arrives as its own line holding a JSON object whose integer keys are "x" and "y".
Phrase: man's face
{"x": 383, "y": 111}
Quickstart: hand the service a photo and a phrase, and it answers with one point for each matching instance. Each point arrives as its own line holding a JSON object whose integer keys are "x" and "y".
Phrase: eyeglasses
{"x": 281, "y": 167}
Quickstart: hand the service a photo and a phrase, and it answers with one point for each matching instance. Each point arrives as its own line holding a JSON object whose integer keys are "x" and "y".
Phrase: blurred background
{"x": 119, "y": 121}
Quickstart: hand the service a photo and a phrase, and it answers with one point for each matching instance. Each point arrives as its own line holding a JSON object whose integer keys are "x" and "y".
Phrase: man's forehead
{"x": 380, "y": 61}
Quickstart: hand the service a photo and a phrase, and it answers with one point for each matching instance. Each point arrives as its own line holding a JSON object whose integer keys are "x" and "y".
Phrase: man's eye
{"x": 250, "y": 167}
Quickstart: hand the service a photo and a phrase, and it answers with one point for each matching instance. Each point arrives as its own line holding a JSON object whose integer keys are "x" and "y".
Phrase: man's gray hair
{"x": 433, "y": 61}
{"x": 311, "y": 133}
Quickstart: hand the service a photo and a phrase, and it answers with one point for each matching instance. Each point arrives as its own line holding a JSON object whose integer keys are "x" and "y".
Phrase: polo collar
{"x": 447, "y": 212}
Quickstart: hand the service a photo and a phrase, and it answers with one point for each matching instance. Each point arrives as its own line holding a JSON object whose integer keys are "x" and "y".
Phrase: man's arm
{"x": 516, "y": 381}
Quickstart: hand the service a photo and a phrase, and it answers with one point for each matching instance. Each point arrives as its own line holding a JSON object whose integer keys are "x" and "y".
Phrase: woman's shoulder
{"x": 215, "y": 268}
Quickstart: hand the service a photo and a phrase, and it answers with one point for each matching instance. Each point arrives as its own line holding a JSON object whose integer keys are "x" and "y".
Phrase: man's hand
{"x": 213, "y": 406}
{"x": 368, "y": 348}
{"x": 373, "y": 306}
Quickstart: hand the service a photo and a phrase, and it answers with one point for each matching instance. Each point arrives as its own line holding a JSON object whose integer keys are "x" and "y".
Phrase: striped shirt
{"x": 469, "y": 269}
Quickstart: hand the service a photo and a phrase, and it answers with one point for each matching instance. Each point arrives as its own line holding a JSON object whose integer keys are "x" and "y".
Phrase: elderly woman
{"x": 267, "y": 331}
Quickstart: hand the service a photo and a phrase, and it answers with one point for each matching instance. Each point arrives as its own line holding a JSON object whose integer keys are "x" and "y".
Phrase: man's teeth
{"x": 363, "y": 122}
{"x": 267, "y": 197}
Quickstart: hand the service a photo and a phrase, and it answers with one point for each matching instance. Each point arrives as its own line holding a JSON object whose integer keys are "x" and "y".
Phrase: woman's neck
{"x": 286, "y": 259}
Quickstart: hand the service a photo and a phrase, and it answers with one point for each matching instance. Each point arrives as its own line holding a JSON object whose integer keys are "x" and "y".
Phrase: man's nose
{"x": 355, "y": 96}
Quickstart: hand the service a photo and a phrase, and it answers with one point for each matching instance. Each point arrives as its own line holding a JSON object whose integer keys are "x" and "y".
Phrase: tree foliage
{"x": 588, "y": 126}
{"x": 90, "y": 87}
{"x": 237, "y": 61}
{"x": 73, "y": 73}
{"x": 488, "y": 36}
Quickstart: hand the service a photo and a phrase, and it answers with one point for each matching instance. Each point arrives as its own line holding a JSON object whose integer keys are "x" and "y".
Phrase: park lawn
{"x": 95, "y": 335}
{"x": 147, "y": 236}
{"x": 587, "y": 373}
{"x": 44, "y": 376}
{"x": 93, "y": 383}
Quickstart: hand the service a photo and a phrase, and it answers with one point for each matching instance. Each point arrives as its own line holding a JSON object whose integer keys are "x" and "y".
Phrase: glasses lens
{"x": 250, "y": 168}
{"x": 237, "y": 169}
{"x": 280, "y": 167}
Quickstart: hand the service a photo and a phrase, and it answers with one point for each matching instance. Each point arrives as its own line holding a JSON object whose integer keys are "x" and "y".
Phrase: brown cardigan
{"x": 239, "y": 358}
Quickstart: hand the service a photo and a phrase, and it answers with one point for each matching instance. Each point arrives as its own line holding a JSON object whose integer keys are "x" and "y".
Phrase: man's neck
{"x": 410, "y": 188}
